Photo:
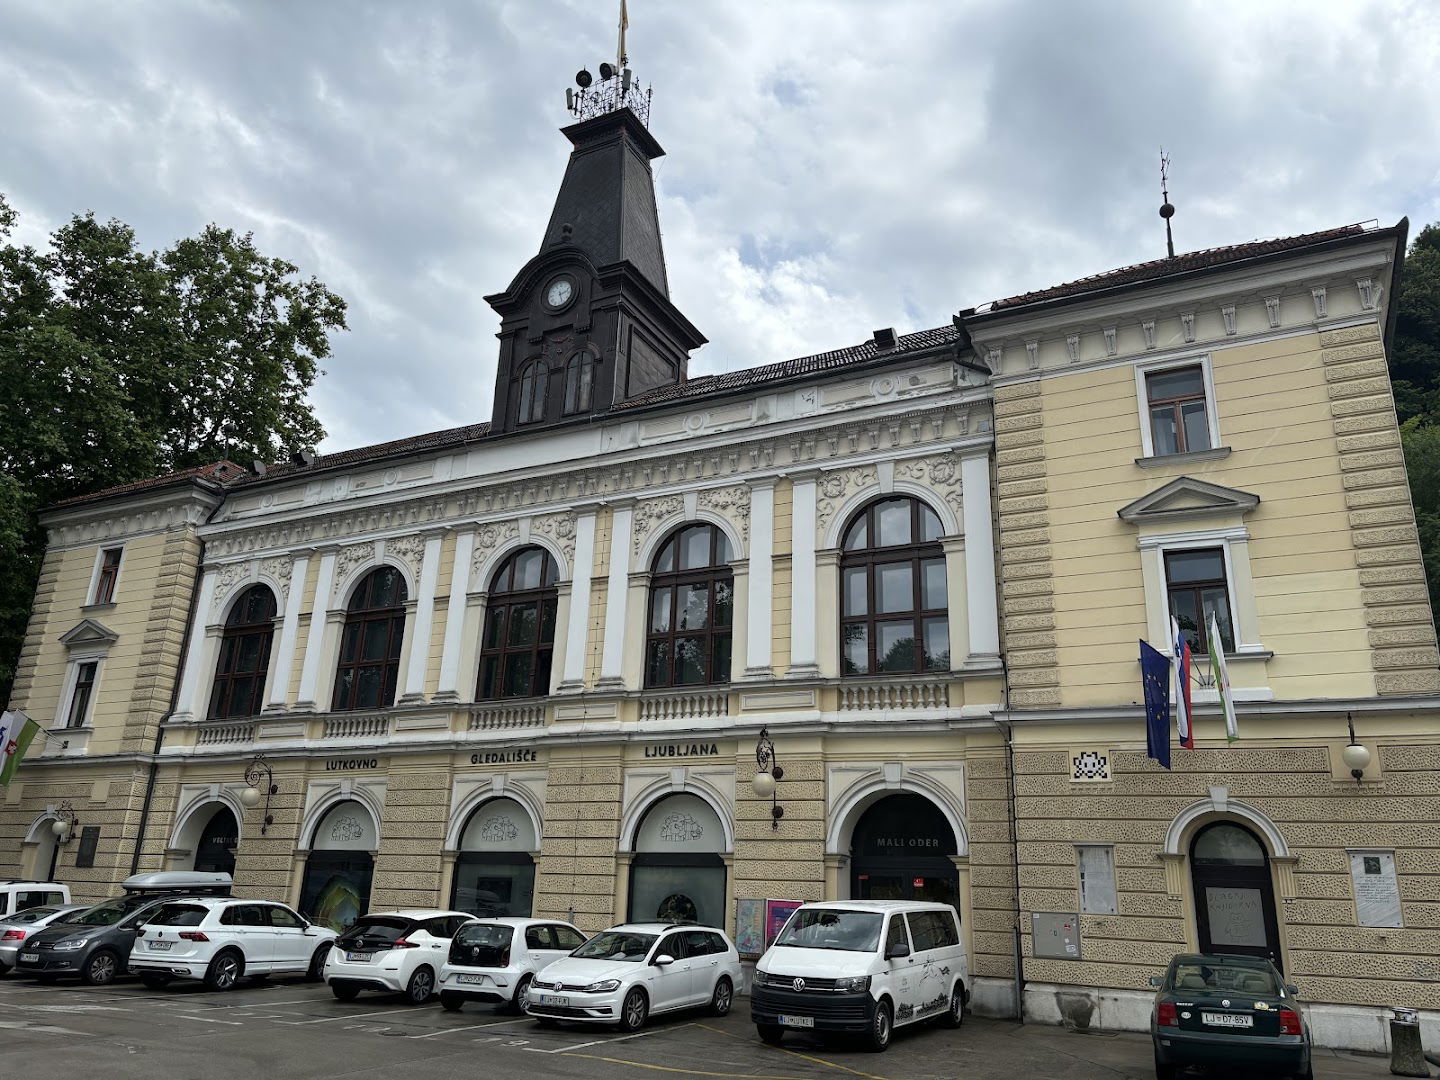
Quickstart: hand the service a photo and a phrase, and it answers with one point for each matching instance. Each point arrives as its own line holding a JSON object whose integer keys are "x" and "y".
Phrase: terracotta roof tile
{"x": 1180, "y": 264}
{"x": 217, "y": 473}
{"x": 413, "y": 444}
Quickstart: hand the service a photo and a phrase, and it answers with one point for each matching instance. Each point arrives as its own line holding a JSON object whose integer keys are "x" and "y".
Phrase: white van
{"x": 862, "y": 967}
{"x": 19, "y": 895}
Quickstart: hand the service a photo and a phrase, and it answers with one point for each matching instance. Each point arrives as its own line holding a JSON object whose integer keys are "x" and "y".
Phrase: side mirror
{"x": 1156, "y": 981}
{"x": 664, "y": 960}
{"x": 898, "y": 951}
{"x": 1292, "y": 989}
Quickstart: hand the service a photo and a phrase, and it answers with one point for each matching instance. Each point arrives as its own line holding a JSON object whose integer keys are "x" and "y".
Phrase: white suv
{"x": 221, "y": 941}
{"x": 394, "y": 951}
{"x": 495, "y": 960}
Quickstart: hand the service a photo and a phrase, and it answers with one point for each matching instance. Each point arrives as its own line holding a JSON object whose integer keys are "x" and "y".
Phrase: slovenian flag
{"x": 16, "y": 733}
{"x": 1183, "y": 724}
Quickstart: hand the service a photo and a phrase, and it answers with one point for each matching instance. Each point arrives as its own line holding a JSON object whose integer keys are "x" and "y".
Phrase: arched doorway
{"x": 338, "y": 872}
{"x": 678, "y": 872}
{"x": 495, "y": 871}
{"x": 44, "y": 850}
{"x": 1234, "y": 895}
{"x": 902, "y": 849}
{"x": 215, "y": 850}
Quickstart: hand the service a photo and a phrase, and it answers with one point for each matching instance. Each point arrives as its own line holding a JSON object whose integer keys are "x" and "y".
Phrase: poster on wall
{"x": 750, "y": 927}
{"x": 1377, "y": 892}
{"x": 1237, "y": 916}
{"x": 777, "y": 913}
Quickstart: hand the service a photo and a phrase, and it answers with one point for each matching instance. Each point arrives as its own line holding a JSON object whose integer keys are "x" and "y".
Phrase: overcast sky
{"x": 832, "y": 167}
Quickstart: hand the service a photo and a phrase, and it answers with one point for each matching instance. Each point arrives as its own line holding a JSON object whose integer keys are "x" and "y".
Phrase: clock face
{"x": 559, "y": 293}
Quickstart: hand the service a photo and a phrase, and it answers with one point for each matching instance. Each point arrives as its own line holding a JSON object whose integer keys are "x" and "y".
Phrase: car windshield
{"x": 29, "y": 915}
{"x": 178, "y": 915}
{"x": 827, "y": 928}
{"x": 376, "y": 932}
{"x": 111, "y": 911}
{"x": 1201, "y": 977}
{"x": 612, "y": 945}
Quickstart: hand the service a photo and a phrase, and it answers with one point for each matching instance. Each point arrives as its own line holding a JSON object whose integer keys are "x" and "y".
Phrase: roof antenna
{"x": 1167, "y": 209}
{"x": 621, "y": 59}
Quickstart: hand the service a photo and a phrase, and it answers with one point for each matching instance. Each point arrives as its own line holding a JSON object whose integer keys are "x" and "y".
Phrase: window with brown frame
{"x": 370, "y": 643}
{"x": 1196, "y": 586}
{"x": 692, "y": 602}
{"x": 109, "y": 574}
{"x": 533, "y": 385}
{"x": 1179, "y": 418}
{"x": 579, "y": 372}
{"x": 519, "y": 637}
{"x": 80, "y": 696}
{"x": 240, "y": 671}
{"x": 894, "y": 611}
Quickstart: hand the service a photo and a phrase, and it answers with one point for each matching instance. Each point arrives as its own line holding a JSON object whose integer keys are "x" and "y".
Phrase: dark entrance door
{"x": 901, "y": 850}
{"x": 215, "y": 853}
{"x": 1234, "y": 897}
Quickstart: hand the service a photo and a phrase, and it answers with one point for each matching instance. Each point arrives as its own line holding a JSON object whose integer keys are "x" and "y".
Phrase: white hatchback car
{"x": 495, "y": 960}
{"x": 222, "y": 940}
{"x": 399, "y": 952}
{"x": 628, "y": 973}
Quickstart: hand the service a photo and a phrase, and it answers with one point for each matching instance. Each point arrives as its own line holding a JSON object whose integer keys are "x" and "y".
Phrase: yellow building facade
{"x": 524, "y": 670}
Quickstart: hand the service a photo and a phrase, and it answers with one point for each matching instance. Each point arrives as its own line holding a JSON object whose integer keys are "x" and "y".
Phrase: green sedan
{"x": 1231, "y": 1011}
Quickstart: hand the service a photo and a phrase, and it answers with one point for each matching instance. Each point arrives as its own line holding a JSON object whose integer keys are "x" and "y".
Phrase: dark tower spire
{"x": 1167, "y": 211}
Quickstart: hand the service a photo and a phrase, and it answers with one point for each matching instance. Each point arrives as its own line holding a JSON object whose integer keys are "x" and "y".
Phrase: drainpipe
{"x": 174, "y": 695}
{"x": 1018, "y": 954}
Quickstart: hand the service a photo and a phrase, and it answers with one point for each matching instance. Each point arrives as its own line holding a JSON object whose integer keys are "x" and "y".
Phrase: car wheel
{"x": 1164, "y": 1071}
{"x": 101, "y": 968}
{"x": 316, "y": 971}
{"x": 224, "y": 971}
{"x": 723, "y": 998}
{"x": 153, "y": 980}
{"x": 771, "y": 1034}
{"x": 344, "y": 993}
{"x": 421, "y": 986}
{"x": 877, "y": 1039}
{"x": 955, "y": 1015}
{"x": 1308, "y": 1074}
{"x": 4, "y": 971}
{"x": 517, "y": 1003}
{"x": 450, "y": 1001}
{"x": 635, "y": 1010}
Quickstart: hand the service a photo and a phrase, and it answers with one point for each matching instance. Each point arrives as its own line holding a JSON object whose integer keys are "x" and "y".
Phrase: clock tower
{"x": 588, "y": 323}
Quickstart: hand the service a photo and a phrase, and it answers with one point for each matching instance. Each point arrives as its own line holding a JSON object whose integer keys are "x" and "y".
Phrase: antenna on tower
{"x": 621, "y": 58}
{"x": 1167, "y": 210}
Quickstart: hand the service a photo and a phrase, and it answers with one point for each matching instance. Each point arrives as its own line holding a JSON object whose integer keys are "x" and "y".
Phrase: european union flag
{"x": 1155, "y": 673}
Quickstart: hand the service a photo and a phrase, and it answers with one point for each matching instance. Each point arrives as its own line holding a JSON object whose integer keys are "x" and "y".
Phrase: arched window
{"x": 519, "y": 637}
{"x": 678, "y": 871}
{"x": 579, "y": 371}
{"x": 533, "y": 379}
{"x": 370, "y": 644}
{"x": 239, "y": 688}
{"x": 893, "y": 615}
{"x": 692, "y": 599}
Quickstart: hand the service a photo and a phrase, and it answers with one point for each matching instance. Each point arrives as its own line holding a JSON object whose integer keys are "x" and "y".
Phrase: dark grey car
{"x": 93, "y": 944}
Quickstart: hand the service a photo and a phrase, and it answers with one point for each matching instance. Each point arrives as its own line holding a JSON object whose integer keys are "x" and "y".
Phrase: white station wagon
{"x": 496, "y": 960}
{"x": 221, "y": 941}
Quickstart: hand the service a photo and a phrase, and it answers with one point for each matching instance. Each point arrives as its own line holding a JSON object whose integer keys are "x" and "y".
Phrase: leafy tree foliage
{"x": 119, "y": 364}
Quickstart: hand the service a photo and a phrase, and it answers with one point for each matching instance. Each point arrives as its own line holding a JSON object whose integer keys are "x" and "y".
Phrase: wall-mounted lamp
{"x": 765, "y": 779}
{"x": 1356, "y": 756}
{"x": 66, "y": 822}
{"x": 259, "y": 770}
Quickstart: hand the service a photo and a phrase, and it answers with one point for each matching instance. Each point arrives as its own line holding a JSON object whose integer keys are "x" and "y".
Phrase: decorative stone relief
{"x": 559, "y": 528}
{"x": 278, "y": 569}
{"x": 842, "y": 482}
{"x": 349, "y": 558}
{"x": 488, "y": 540}
{"x": 650, "y": 513}
{"x": 732, "y": 503}
{"x": 937, "y": 472}
{"x": 409, "y": 550}
{"x": 230, "y": 577}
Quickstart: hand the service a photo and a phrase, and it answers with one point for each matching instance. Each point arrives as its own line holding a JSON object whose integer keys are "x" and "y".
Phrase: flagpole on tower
{"x": 620, "y": 58}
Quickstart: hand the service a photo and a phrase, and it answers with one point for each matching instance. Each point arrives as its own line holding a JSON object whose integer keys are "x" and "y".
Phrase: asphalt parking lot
{"x": 292, "y": 1029}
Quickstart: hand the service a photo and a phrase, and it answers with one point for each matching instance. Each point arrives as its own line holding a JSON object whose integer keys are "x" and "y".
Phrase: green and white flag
{"x": 16, "y": 733}
{"x": 1222, "y": 679}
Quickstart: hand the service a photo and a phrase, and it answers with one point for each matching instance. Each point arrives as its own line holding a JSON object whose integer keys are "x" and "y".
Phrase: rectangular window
{"x": 1097, "y": 879}
{"x": 109, "y": 573}
{"x": 1179, "y": 420}
{"x": 80, "y": 696}
{"x": 1196, "y": 588}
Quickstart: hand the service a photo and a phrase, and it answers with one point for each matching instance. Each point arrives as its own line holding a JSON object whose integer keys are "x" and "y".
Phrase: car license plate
{"x": 560, "y": 1001}
{"x": 797, "y": 1021}
{"x": 470, "y": 978}
{"x": 161, "y": 946}
{"x": 360, "y": 957}
{"x": 30, "y": 957}
{"x": 1234, "y": 1020}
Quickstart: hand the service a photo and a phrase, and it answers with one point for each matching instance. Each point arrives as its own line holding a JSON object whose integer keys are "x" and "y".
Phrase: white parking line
{"x": 350, "y": 1016}
{"x": 277, "y": 1004}
{"x": 472, "y": 1027}
{"x": 601, "y": 1042}
{"x": 42, "y": 1029}
{"x": 206, "y": 1019}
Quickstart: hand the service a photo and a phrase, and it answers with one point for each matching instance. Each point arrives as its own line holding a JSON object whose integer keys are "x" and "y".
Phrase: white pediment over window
{"x": 88, "y": 634}
{"x": 1187, "y": 497}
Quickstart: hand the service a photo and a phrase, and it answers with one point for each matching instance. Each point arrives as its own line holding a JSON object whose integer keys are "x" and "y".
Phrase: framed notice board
{"x": 89, "y": 841}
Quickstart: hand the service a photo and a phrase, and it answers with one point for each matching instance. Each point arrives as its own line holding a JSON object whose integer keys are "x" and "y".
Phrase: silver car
{"x": 14, "y": 929}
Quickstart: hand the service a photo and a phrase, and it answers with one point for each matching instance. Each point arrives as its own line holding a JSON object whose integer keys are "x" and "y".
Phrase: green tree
{"x": 120, "y": 364}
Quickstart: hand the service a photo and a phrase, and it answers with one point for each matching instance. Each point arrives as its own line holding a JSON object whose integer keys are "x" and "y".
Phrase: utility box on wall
{"x": 1055, "y": 935}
